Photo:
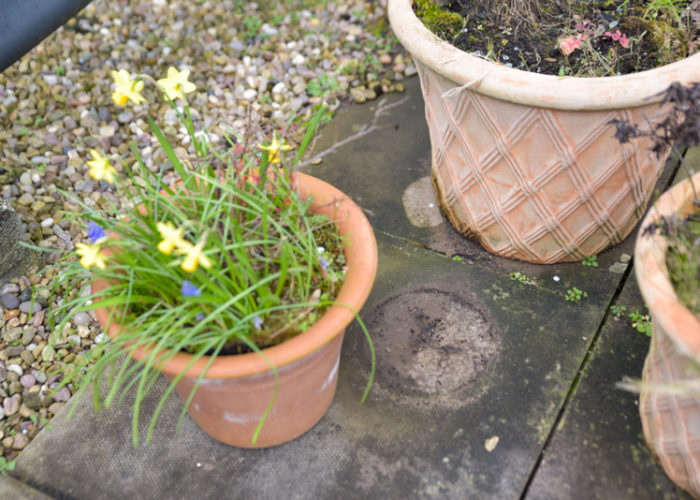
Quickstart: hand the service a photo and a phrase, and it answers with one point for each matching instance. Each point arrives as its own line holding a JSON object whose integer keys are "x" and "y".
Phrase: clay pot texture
{"x": 671, "y": 422}
{"x": 527, "y": 163}
{"x": 236, "y": 389}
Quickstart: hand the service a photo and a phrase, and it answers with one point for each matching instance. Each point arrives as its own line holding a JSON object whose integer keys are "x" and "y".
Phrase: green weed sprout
{"x": 575, "y": 295}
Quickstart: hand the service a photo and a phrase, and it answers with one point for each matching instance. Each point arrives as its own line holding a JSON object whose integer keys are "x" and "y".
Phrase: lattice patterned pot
{"x": 671, "y": 422}
{"x": 527, "y": 163}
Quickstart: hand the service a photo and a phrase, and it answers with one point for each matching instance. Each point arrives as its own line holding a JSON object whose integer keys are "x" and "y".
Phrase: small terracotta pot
{"x": 230, "y": 401}
{"x": 671, "y": 422}
{"x": 527, "y": 163}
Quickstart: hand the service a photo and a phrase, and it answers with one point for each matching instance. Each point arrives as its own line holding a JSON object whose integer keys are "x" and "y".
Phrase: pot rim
{"x": 361, "y": 258}
{"x": 534, "y": 89}
{"x": 652, "y": 274}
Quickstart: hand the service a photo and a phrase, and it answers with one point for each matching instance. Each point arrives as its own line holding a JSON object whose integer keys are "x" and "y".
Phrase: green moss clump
{"x": 660, "y": 38}
{"x": 444, "y": 24}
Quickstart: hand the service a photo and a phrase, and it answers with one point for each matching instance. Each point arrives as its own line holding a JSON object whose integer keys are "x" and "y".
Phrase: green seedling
{"x": 618, "y": 311}
{"x": 590, "y": 261}
{"x": 641, "y": 322}
{"x": 6, "y": 465}
{"x": 522, "y": 278}
{"x": 575, "y": 295}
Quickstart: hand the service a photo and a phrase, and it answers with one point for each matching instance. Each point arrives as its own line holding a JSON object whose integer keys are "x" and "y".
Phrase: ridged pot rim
{"x": 534, "y": 89}
{"x": 652, "y": 274}
{"x": 361, "y": 258}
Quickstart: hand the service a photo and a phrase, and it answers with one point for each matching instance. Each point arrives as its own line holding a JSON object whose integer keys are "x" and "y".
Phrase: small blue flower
{"x": 95, "y": 232}
{"x": 324, "y": 263}
{"x": 257, "y": 322}
{"x": 199, "y": 317}
{"x": 190, "y": 290}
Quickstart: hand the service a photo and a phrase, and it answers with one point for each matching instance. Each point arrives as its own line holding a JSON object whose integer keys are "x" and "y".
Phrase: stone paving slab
{"x": 464, "y": 355}
{"x": 11, "y": 488}
{"x": 599, "y": 448}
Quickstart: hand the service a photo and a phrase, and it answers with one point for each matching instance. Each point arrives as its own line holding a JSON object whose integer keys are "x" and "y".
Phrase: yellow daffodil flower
{"x": 274, "y": 150}
{"x": 126, "y": 88}
{"x": 194, "y": 256}
{"x": 100, "y": 168}
{"x": 172, "y": 237}
{"x": 90, "y": 255}
{"x": 176, "y": 85}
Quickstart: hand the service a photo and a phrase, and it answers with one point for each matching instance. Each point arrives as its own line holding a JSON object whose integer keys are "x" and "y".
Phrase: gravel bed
{"x": 255, "y": 65}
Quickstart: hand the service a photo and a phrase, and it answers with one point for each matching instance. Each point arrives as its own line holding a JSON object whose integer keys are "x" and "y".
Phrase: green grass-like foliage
{"x": 276, "y": 267}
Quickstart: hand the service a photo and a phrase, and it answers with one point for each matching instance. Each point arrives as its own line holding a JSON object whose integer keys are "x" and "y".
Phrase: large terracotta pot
{"x": 527, "y": 163}
{"x": 671, "y": 422}
{"x": 230, "y": 401}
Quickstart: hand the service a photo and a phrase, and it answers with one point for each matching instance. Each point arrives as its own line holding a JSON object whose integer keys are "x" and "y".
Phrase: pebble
{"x": 20, "y": 441}
{"x": 15, "y": 368}
{"x": 56, "y": 407}
{"x": 27, "y": 380}
{"x": 9, "y": 301}
{"x": 28, "y": 306}
{"x": 11, "y": 405}
{"x": 81, "y": 318}
{"x": 62, "y": 395}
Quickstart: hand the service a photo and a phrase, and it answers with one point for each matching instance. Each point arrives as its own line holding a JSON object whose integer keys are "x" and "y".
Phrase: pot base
{"x": 229, "y": 410}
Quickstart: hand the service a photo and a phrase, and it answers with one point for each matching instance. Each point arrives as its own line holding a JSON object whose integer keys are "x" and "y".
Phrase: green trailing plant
{"x": 680, "y": 129}
{"x": 228, "y": 260}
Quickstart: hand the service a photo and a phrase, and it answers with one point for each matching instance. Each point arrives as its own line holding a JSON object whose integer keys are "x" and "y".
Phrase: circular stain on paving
{"x": 431, "y": 343}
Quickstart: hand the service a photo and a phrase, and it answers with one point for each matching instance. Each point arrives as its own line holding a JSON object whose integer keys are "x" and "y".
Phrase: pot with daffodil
{"x": 236, "y": 282}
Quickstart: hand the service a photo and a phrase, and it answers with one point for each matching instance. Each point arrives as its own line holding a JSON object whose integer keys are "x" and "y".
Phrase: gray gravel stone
{"x": 27, "y": 307}
{"x": 11, "y": 405}
{"x": 62, "y": 395}
{"x": 81, "y": 318}
{"x": 9, "y": 301}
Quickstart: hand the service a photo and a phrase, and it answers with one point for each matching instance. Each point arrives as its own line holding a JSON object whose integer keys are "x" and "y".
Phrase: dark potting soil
{"x": 602, "y": 38}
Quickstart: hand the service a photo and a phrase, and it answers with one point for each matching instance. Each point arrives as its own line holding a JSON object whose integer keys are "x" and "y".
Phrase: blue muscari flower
{"x": 257, "y": 322}
{"x": 95, "y": 232}
{"x": 324, "y": 263}
{"x": 189, "y": 289}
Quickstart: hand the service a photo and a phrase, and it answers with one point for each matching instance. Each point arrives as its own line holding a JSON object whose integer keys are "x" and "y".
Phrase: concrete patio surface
{"x": 486, "y": 387}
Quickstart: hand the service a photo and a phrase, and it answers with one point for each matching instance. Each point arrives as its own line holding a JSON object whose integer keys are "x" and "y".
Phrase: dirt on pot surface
{"x": 575, "y": 38}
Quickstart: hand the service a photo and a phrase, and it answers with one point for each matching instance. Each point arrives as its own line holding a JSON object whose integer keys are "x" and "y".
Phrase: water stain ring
{"x": 431, "y": 342}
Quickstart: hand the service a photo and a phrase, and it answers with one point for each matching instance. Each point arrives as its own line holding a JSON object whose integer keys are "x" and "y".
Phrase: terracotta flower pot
{"x": 230, "y": 401}
{"x": 671, "y": 422}
{"x": 527, "y": 163}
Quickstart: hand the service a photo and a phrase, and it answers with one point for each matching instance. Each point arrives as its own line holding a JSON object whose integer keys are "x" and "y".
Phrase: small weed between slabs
{"x": 590, "y": 261}
{"x": 6, "y": 465}
{"x": 618, "y": 311}
{"x": 641, "y": 322}
{"x": 523, "y": 278}
{"x": 575, "y": 295}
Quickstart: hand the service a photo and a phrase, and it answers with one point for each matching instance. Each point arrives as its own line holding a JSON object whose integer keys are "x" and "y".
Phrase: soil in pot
{"x": 582, "y": 38}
